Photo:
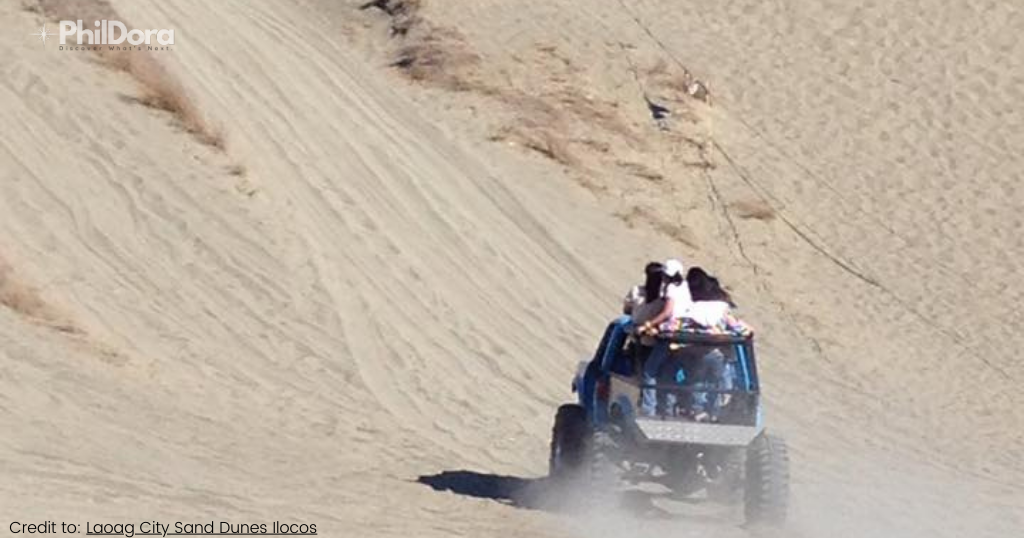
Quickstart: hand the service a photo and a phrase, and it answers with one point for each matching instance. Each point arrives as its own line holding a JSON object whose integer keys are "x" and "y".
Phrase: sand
{"x": 371, "y": 279}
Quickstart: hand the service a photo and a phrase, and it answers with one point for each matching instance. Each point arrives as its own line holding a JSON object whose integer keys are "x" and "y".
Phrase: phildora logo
{"x": 108, "y": 33}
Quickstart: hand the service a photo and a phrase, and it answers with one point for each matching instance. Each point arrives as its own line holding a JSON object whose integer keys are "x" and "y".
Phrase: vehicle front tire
{"x": 766, "y": 499}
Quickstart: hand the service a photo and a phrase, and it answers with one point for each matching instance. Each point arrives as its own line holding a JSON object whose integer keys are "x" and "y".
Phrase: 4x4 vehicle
{"x": 605, "y": 437}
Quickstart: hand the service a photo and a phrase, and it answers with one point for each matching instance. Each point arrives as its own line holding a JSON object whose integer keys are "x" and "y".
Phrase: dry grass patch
{"x": 753, "y": 209}
{"x": 638, "y": 216}
{"x": 428, "y": 54}
{"x": 551, "y": 146}
{"x": 25, "y": 300}
{"x": 641, "y": 170}
{"x": 540, "y": 140}
{"x": 161, "y": 91}
{"x": 659, "y": 69}
{"x": 18, "y": 296}
{"x": 564, "y": 62}
{"x": 599, "y": 146}
{"x": 601, "y": 113}
{"x": 158, "y": 88}
{"x": 545, "y": 122}
{"x": 439, "y": 58}
{"x": 404, "y": 13}
{"x": 702, "y": 164}
{"x": 677, "y": 231}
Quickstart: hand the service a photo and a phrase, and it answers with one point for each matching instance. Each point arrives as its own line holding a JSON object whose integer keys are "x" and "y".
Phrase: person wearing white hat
{"x": 676, "y": 289}
{"x": 677, "y": 304}
{"x": 677, "y": 295}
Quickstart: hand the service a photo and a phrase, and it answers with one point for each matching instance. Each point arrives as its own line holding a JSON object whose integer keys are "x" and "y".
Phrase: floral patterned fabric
{"x": 729, "y": 324}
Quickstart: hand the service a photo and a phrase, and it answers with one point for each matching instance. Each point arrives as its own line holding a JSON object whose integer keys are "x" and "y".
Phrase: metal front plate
{"x": 672, "y": 431}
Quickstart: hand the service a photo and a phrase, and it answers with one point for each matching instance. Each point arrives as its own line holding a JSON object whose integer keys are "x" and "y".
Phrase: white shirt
{"x": 708, "y": 313}
{"x": 681, "y": 301}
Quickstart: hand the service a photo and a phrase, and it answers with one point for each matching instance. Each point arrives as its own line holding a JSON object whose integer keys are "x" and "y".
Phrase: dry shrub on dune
{"x": 404, "y": 13}
{"x": 426, "y": 53}
{"x": 540, "y": 140}
{"x": 659, "y": 69}
{"x": 598, "y": 112}
{"x": 547, "y": 120}
{"x": 19, "y": 297}
{"x": 438, "y": 58}
{"x": 161, "y": 91}
{"x": 641, "y": 170}
{"x": 638, "y": 216}
{"x": 753, "y": 209}
{"x": 158, "y": 88}
{"x": 551, "y": 146}
{"x": 25, "y": 300}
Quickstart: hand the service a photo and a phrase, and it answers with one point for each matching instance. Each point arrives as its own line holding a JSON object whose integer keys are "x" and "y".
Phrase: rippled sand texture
{"x": 355, "y": 299}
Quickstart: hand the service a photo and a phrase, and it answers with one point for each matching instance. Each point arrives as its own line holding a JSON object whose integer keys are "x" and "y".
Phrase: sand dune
{"x": 375, "y": 279}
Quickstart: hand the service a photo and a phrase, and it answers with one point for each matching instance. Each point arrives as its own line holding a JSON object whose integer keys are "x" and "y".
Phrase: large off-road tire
{"x": 682, "y": 474}
{"x": 726, "y": 481}
{"x": 603, "y": 456}
{"x": 569, "y": 440}
{"x": 767, "y": 481}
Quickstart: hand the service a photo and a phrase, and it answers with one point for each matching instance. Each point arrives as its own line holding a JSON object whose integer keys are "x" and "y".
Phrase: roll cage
{"x": 618, "y": 355}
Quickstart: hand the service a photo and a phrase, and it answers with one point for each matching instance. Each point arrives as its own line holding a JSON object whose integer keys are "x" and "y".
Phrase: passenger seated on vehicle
{"x": 704, "y": 287}
{"x": 627, "y": 362}
{"x": 711, "y": 309}
{"x": 677, "y": 302}
{"x": 696, "y": 369}
{"x": 679, "y": 370}
{"x": 637, "y": 295}
{"x": 676, "y": 293}
{"x": 653, "y": 303}
{"x": 710, "y": 375}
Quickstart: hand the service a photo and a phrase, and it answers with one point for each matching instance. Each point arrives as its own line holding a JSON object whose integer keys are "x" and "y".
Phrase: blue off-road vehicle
{"x": 614, "y": 435}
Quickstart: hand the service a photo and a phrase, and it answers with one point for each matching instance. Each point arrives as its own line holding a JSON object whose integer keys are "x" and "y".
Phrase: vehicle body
{"x": 606, "y": 435}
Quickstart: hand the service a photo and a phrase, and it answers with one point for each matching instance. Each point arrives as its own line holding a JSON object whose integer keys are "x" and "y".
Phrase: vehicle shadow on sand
{"x": 546, "y": 495}
{"x": 511, "y": 490}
